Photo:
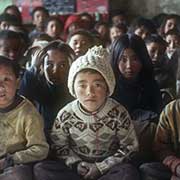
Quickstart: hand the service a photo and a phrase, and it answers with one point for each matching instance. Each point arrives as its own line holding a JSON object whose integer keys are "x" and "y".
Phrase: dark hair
{"x": 137, "y": 44}
{"x": 146, "y": 23}
{"x": 54, "y": 18}
{"x": 11, "y": 19}
{"x": 83, "y": 33}
{"x": 101, "y": 23}
{"x": 61, "y": 46}
{"x": 7, "y": 34}
{"x": 173, "y": 31}
{"x": 14, "y": 8}
{"x": 156, "y": 39}
{"x": 39, "y": 8}
{"x": 169, "y": 16}
{"x": 121, "y": 26}
{"x": 12, "y": 64}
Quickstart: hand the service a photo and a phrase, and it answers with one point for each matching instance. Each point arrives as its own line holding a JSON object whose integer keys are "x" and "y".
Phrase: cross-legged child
{"x": 93, "y": 134}
{"x": 22, "y": 140}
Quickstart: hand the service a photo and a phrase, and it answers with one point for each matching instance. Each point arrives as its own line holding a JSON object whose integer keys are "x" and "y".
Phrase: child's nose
{"x": 90, "y": 90}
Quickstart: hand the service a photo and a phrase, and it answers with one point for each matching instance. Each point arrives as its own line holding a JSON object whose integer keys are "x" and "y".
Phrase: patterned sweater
{"x": 167, "y": 138}
{"x": 104, "y": 138}
{"x": 21, "y": 134}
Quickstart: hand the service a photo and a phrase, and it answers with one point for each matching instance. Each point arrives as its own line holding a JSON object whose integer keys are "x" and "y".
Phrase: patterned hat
{"x": 96, "y": 58}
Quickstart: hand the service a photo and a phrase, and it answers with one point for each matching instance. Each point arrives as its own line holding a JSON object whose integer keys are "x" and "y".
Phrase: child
{"x": 22, "y": 138}
{"x": 136, "y": 88}
{"x": 142, "y": 27}
{"x": 39, "y": 16}
{"x": 54, "y": 27}
{"x": 80, "y": 41}
{"x": 45, "y": 83}
{"x": 94, "y": 134}
{"x": 156, "y": 47}
{"x": 11, "y": 45}
{"x": 171, "y": 21}
{"x": 166, "y": 146}
{"x": 116, "y": 31}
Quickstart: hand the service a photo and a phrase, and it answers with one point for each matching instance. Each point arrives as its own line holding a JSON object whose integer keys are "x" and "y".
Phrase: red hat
{"x": 70, "y": 20}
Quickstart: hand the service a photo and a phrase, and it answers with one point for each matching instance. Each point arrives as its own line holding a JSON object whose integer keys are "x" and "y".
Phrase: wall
{"x": 147, "y": 8}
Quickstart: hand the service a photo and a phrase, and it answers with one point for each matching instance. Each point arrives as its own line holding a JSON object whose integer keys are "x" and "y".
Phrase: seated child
{"x": 22, "y": 140}
{"x": 156, "y": 47}
{"x": 45, "y": 83}
{"x": 166, "y": 146}
{"x": 93, "y": 134}
{"x": 80, "y": 41}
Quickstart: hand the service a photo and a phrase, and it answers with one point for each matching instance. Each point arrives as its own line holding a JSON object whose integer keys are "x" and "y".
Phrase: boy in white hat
{"x": 94, "y": 134}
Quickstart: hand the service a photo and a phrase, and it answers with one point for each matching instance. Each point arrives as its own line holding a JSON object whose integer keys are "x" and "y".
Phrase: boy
{"x": 80, "y": 41}
{"x": 94, "y": 134}
{"x": 166, "y": 146}
{"x": 39, "y": 16}
{"x": 22, "y": 141}
{"x": 164, "y": 76}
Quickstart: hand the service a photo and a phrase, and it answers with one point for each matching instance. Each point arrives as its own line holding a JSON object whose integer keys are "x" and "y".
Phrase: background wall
{"x": 147, "y": 8}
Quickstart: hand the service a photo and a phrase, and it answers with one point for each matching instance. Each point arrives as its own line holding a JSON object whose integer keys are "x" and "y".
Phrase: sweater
{"x": 167, "y": 137}
{"x": 106, "y": 137}
{"x": 21, "y": 134}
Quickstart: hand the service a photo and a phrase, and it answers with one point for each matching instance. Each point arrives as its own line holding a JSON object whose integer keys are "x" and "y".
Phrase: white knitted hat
{"x": 96, "y": 58}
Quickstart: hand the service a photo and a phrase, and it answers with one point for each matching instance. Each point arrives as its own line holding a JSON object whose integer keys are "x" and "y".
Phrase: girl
{"x": 45, "y": 83}
{"x": 136, "y": 88}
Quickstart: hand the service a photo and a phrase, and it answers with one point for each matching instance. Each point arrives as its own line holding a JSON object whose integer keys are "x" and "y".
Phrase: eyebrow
{"x": 96, "y": 80}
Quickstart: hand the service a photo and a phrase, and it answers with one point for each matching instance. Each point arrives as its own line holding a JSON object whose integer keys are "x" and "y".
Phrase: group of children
{"x": 90, "y": 107}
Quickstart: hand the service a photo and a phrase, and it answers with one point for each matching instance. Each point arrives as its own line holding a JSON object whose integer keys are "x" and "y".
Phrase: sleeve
{"x": 163, "y": 144}
{"x": 128, "y": 143}
{"x": 61, "y": 141}
{"x": 36, "y": 147}
{"x": 28, "y": 85}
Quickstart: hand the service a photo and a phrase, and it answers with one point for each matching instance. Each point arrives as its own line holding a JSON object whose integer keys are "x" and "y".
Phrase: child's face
{"x": 173, "y": 43}
{"x": 170, "y": 24}
{"x": 10, "y": 48}
{"x": 8, "y": 86}
{"x": 129, "y": 64}
{"x": 54, "y": 29}
{"x": 142, "y": 32}
{"x": 80, "y": 44}
{"x": 115, "y": 32}
{"x": 39, "y": 18}
{"x": 91, "y": 90}
{"x": 56, "y": 67}
{"x": 156, "y": 51}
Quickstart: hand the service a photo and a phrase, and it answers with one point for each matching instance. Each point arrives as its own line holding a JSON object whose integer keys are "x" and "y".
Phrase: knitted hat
{"x": 96, "y": 58}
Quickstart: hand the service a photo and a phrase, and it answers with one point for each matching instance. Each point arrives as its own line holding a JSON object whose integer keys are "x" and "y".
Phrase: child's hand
{"x": 93, "y": 172}
{"x": 82, "y": 168}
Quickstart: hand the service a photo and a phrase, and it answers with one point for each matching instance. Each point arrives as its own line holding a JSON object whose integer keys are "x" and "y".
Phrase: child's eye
{"x": 6, "y": 79}
{"x": 62, "y": 65}
{"x": 82, "y": 85}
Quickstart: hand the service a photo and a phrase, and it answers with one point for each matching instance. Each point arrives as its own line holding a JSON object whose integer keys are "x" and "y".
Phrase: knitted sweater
{"x": 105, "y": 137}
{"x": 21, "y": 134}
{"x": 167, "y": 138}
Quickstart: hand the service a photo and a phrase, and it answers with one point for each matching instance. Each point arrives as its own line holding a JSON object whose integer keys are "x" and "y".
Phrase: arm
{"x": 60, "y": 143}
{"x": 127, "y": 143}
{"x": 165, "y": 133}
{"x": 32, "y": 129}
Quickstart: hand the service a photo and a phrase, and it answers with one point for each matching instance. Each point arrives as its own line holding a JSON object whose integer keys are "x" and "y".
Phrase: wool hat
{"x": 96, "y": 58}
{"x": 75, "y": 18}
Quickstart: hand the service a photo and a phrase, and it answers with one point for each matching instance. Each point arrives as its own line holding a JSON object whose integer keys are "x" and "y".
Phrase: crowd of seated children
{"x": 131, "y": 73}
